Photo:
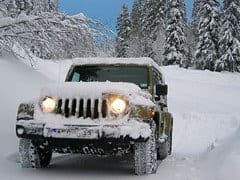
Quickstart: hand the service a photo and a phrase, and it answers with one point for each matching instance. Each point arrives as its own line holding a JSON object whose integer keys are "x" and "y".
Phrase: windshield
{"x": 134, "y": 74}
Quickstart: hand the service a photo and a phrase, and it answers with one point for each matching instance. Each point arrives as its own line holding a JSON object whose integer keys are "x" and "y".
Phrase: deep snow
{"x": 206, "y": 113}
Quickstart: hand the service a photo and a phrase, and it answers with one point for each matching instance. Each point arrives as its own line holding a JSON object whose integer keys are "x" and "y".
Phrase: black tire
{"x": 145, "y": 155}
{"x": 32, "y": 156}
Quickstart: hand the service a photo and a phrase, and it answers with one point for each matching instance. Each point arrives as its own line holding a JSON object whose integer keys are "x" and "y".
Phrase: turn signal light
{"x": 153, "y": 113}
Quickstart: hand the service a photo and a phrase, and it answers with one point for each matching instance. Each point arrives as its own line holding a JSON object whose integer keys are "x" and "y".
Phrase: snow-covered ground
{"x": 206, "y": 127}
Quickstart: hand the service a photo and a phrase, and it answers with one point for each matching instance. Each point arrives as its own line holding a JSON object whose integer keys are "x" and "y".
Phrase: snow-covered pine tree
{"x": 146, "y": 43}
{"x": 175, "y": 45}
{"x": 123, "y": 32}
{"x": 192, "y": 33}
{"x": 159, "y": 30}
{"x": 229, "y": 44}
{"x": 153, "y": 17}
{"x": 207, "y": 41}
{"x": 195, "y": 15}
{"x": 136, "y": 15}
{"x": 135, "y": 39}
{"x": 188, "y": 51}
{"x": 227, "y": 3}
{"x": 153, "y": 28}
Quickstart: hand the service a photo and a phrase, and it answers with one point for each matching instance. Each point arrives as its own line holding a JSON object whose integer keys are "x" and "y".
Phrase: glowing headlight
{"x": 49, "y": 104}
{"x": 118, "y": 105}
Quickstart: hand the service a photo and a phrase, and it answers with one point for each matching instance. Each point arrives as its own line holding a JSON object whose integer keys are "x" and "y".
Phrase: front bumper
{"x": 125, "y": 132}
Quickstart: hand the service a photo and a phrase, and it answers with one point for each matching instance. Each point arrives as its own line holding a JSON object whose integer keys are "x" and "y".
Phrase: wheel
{"x": 145, "y": 155}
{"x": 165, "y": 148}
{"x": 32, "y": 156}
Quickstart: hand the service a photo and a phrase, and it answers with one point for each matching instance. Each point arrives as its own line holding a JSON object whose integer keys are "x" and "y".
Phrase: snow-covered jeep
{"x": 106, "y": 106}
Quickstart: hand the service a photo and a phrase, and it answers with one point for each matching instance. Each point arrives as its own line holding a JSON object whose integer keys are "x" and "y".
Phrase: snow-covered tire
{"x": 145, "y": 155}
{"x": 32, "y": 156}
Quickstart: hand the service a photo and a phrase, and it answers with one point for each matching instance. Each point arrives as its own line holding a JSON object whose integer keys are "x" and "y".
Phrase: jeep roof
{"x": 115, "y": 61}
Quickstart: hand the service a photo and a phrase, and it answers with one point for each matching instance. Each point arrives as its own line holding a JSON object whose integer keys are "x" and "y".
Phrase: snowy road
{"x": 206, "y": 129}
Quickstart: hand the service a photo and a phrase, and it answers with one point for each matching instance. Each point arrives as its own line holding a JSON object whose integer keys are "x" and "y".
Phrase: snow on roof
{"x": 111, "y": 61}
{"x": 114, "y": 60}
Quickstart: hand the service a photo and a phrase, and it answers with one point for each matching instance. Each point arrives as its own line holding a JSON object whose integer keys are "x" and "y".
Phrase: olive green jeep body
{"x": 105, "y": 107}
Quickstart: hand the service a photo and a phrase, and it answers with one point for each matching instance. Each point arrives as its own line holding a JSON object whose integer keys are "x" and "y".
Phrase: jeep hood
{"x": 95, "y": 90}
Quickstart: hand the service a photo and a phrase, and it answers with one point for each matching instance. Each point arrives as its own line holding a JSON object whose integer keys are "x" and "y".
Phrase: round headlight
{"x": 118, "y": 105}
{"x": 49, "y": 104}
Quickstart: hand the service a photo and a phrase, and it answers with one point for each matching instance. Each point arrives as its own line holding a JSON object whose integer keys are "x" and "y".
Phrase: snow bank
{"x": 195, "y": 133}
{"x": 18, "y": 83}
{"x": 205, "y": 107}
{"x": 223, "y": 159}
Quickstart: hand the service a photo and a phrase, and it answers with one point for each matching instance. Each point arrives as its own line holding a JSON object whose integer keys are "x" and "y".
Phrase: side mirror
{"x": 161, "y": 90}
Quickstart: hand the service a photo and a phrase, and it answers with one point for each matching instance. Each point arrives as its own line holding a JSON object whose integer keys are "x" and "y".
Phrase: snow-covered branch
{"x": 56, "y": 35}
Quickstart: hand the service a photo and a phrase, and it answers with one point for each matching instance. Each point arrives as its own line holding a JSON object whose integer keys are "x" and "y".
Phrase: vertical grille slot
{"x": 89, "y": 113}
{"x": 59, "y": 107}
{"x": 66, "y": 108}
{"x": 104, "y": 108}
{"x": 96, "y": 113}
{"x": 81, "y": 108}
{"x": 73, "y": 107}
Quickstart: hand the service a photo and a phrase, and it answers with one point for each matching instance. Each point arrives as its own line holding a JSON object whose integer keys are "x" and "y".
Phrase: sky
{"x": 106, "y": 11}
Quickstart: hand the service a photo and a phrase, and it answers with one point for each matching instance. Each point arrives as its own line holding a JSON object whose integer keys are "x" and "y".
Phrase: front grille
{"x": 82, "y": 108}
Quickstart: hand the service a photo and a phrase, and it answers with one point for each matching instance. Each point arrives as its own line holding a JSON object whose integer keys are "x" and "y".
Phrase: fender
{"x": 25, "y": 111}
{"x": 167, "y": 120}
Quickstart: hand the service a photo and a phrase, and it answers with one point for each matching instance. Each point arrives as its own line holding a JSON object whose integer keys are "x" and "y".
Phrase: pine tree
{"x": 145, "y": 31}
{"x": 154, "y": 17}
{"x": 175, "y": 45}
{"x": 187, "y": 49}
{"x": 194, "y": 28}
{"x": 195, "y": 14}
{"x": 135, "y": 39}
{"x": 153, "y": 28}
{"x": 229, "y": 44}
{"x": 123, "y": 32}
{"x": 136, "y": 16}
{"x": 207, "y": 42}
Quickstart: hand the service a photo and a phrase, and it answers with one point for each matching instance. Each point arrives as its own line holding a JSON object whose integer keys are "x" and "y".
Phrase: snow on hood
{"x": 95, "y": 90}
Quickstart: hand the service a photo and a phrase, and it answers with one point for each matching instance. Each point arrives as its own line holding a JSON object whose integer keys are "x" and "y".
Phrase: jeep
{"x": 105, "y": 107}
